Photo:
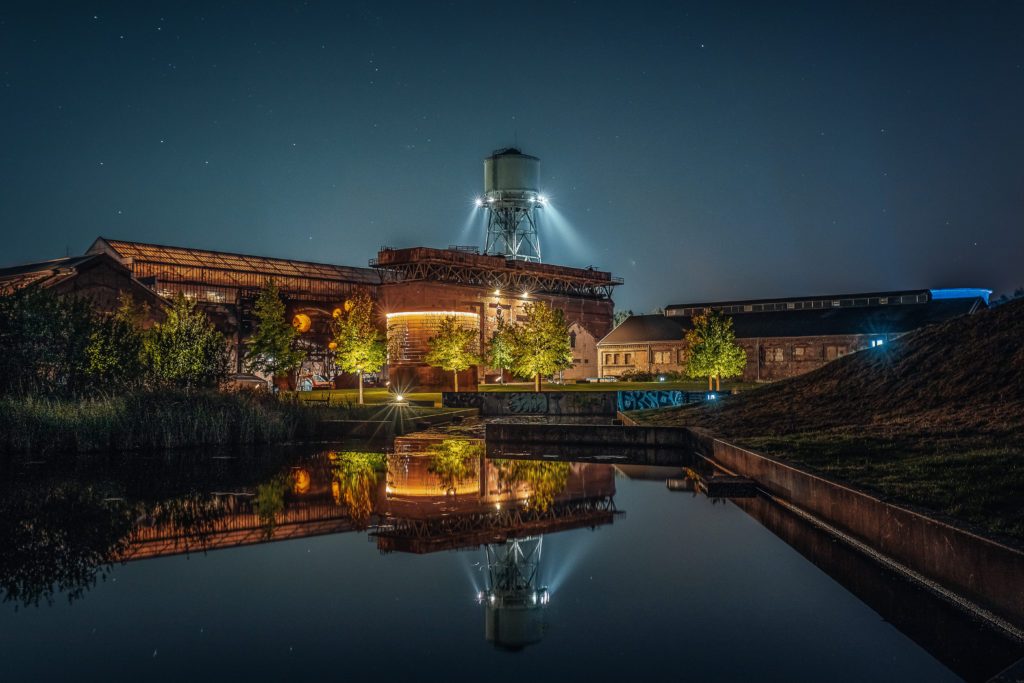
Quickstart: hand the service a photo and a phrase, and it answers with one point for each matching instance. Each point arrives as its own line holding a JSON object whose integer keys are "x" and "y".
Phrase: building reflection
{"x": 444, "y": 495}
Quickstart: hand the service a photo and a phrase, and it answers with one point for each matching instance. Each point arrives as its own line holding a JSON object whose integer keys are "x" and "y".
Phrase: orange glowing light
{"x": 302, "y": 322}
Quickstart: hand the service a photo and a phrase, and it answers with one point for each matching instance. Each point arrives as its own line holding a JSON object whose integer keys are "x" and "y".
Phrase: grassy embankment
{"x": 933, "y": 420}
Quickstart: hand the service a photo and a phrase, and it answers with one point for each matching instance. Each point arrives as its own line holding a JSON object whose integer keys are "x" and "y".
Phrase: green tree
{"x": 272, "y": 346}
{"x": 115, "y": 348}
{"x": 541, "y": 344}
{"x": 186, "y": 350}
{"x": 360, "y": 346}
{"x": 500, "y": 349}
{"x": 453, "y": 348}
{"x": 712, "y": 351}
{"x": 43, "y": 342}
{"x": 620, "y": 317}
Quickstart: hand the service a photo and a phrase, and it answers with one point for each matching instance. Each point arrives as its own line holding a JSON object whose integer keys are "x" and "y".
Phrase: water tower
{"x": 511, "y": 198}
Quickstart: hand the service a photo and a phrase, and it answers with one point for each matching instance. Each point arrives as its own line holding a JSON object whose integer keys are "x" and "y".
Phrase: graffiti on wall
{"x": 645, "y": 400}
{"x": 461, "y": 399}
{"x": 522, "y": 403}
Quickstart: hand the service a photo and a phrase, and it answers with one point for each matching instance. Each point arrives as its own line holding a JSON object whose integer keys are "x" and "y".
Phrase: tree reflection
{"x": 354, "y": 482}
{"x": 545, "y": 480}
{"x": 270, "y": 501}
{"x": 454, "y": 461}
{"x": 58, "y": 538}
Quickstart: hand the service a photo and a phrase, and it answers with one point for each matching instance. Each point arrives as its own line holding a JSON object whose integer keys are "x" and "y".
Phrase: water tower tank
{"x": 511, "y": 199}
{"x": 509, "y": 170}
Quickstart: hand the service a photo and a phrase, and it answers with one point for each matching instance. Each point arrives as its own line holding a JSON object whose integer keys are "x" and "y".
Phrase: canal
{"x": 433, "y": 562}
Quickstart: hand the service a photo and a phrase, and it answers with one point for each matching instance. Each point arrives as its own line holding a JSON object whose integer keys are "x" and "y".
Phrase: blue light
{"x": 962, "y": 293}
{"x": 712, "y": 397}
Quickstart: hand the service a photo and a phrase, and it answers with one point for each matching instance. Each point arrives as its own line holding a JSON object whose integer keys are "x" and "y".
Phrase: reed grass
{"x": 148, "y": 420}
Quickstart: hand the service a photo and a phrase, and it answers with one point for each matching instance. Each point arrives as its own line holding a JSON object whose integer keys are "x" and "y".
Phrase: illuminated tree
{"x": 500, "y": 350}
{"x": 186, "y": 350}
{"x": 272, "y": 347}
{"x": 359, "y": 345}
{"x": 712, "y": 351}
{"x": 541, "y": 344}
{"x": 453, "y": 348}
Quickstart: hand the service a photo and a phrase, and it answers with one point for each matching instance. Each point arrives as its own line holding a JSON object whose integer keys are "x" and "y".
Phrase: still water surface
{"x": 442, "y": 565}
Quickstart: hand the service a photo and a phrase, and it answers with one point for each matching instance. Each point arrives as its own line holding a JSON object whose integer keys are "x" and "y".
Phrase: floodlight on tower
{"x": 511, "y": 198}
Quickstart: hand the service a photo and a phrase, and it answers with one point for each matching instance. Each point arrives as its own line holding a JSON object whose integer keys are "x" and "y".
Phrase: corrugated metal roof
{"x": 263, "y": 265}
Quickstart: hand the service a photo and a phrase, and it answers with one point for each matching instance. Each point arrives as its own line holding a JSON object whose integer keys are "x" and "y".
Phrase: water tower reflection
{"x": 514, "y": 600}
{"x": 444, "y": 494}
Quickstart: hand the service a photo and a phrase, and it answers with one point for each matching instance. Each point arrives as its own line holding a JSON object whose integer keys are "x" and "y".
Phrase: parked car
{"x": 311, "y": 382}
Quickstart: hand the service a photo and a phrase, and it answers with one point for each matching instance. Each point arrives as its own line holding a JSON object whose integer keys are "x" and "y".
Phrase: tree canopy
{"x": 541, "y": 343}
{"x": 272, "y": 347}
{"x": 712, "y": 351}
{"x": 500, "y": 350}
{"x": 359, "y": 345}
{"x": 453, "y": 347}
{"x": 186, "y": 350}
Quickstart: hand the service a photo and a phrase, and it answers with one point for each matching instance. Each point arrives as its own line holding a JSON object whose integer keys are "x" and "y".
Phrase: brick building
{"x": 415, "y": 289}
{"x": 784, "y": 337}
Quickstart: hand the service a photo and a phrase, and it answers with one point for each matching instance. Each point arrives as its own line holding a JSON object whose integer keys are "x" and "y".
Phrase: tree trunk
{"x": 360, "y": 387}
{"x": 709, "y": 382}
{"x": 537, "y": 383}
{"x": 718, "y": 382}
{"x": 455, "y": 374}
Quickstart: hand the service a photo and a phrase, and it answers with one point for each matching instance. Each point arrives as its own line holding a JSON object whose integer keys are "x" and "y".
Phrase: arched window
{"x": 572, "y": 339}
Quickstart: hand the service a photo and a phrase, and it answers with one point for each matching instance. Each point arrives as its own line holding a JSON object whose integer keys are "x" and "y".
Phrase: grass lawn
{"x": 378, "y": 395}
{"x": 694, "y": 385}
{"x": 371, "y": 396}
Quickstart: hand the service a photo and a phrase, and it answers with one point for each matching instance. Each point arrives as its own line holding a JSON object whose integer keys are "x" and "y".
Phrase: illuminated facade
{"x": 415, "y": 289}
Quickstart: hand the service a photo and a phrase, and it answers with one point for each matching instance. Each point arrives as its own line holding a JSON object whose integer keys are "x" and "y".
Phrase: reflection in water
{"x": 61, "y": 533}
{"x": 454, "y": 462}
{"x": 270, "y": 501}
{"x": 354, "y": 483}
{"x": 544, "y": 480}
{"x": 58, "y": 539}
{"x": 514, "y": 599}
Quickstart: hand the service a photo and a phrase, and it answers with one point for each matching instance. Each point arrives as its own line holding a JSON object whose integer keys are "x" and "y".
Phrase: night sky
{"x": 699, "y": 152}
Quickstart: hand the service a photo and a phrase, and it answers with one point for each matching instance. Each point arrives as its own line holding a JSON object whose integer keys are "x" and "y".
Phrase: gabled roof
{"x": 646, "y": 328}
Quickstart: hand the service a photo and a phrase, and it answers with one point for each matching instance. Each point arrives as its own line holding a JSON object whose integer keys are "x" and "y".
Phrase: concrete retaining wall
{"x": 986, "y": 572}
{"x": 495, "y": 403}
{"x": 605, "y": 403}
